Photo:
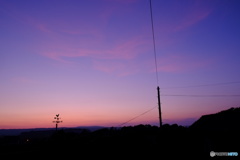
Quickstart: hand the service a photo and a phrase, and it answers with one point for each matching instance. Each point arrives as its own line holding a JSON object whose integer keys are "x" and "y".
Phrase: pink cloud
{"x": 183, "y": 18}
{"x": 125, "y": 51}
{"x": 41, "y": 27}
{"x": 119, "y": 59}
{"x": 73, "y": 32}
{"x": 173, "y": 63}
{"x": 24, "y": 80}
{"x": 128, "y": 50}
{"x": 27, "y": 19}
{"x": 122, "y": 68}
{"x": 87, "y": 31}
{"x": 170, "y": 64}
{"x": 192, "y": 18}
{"x": 108, "y": 66}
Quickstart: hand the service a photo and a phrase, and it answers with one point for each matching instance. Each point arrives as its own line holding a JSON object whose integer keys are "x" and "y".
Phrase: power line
{"x": 155, "y": 56}
{"x": 179, "y": 95}
{"x": 154, "y": 46}
{"x": 203, "y": 85}
{"x": 136, "y": 116}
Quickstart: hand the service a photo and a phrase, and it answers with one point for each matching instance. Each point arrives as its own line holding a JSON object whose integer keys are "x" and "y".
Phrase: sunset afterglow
{"x": 92, "y": 61}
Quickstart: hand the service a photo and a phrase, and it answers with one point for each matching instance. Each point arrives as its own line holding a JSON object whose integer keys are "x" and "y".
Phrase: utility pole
{"x": 155, "y": 56}
{"x": 57, "y": 121}
{"x": 159, "y": 107}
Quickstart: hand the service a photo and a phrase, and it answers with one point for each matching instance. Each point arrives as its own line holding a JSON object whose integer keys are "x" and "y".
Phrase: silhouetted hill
{"x": 91, "y": 128}
{"x": 16, "y": 132}
{"x": 224, "y": 120}
{"x": 129, "y": 142}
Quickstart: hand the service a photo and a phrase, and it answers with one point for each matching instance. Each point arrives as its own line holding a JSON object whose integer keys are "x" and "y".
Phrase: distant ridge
{"x": 91, "y": 128}
{"x": 225, "y": 120}
{"x": 214, "y": 132}
{"x": 16, "y": 132}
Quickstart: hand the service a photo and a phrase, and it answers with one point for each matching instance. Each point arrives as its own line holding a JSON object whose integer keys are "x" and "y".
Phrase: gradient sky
{"x": 92, "y": 61}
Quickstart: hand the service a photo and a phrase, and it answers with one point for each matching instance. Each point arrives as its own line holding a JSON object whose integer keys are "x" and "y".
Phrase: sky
{"x": 92, "y": 61}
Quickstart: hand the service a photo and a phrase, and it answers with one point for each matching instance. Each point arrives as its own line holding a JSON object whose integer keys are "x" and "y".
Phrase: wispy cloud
{"x": 186, "y": 17}
{"x": 41, "y": 27}
{"x": 23, "y": 80}
{"x": 117, "y": 59}
{"x": 192, "y": 18}
{"x": 88, "y": 41}
{"x": 119, "y": 68}
{"x": 174, "y": 63}
{"x": 125, "y": 51}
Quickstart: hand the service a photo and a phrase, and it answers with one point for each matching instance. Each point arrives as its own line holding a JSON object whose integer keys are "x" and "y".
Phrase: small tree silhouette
{"x": 57, "y": 121}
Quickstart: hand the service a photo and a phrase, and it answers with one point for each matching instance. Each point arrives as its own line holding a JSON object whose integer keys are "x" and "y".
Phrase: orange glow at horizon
{"x": 93, "y": 62}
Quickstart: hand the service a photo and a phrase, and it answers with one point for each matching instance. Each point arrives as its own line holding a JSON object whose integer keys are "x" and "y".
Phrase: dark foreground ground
{"x": 142, "y": 141}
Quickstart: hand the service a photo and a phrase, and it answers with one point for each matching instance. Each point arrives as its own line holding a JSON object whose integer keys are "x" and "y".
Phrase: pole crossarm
{"x": 57, "y": 120}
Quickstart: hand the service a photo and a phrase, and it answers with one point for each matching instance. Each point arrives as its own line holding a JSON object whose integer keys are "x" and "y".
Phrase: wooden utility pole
{"x": 159, "y": 107}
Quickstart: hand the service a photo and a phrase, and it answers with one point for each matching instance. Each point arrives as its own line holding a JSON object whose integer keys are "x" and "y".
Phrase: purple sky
{"x": 92, "y": 61}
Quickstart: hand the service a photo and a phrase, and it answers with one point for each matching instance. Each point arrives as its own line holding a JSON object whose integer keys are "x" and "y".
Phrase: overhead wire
{"x": 136, "y": 117}
{"x": 176, "y": 95}
{"x": 154, "y": 45}
{"x": 203, "y": 85}
{"x": 180, "y": 95}
{"x": 156, "y": 67}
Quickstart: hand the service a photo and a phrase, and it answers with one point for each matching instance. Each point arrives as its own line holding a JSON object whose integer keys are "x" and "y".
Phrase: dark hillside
{"x": 217, "y": 132}
{"x": 224, "y": 120}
